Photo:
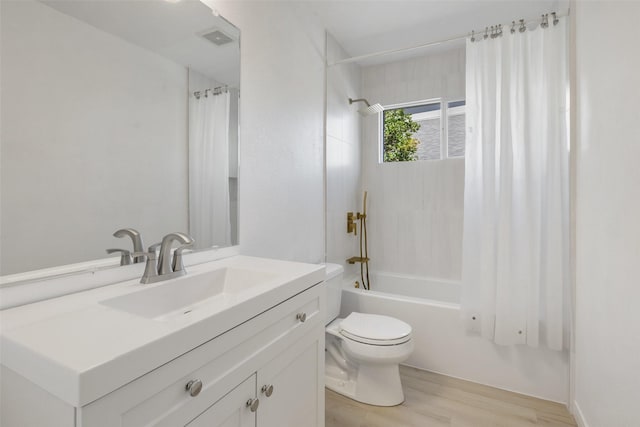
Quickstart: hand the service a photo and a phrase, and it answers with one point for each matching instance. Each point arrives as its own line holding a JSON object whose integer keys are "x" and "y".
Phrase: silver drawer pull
{"x": 301, "y": 317}
{"x": 253, "y": 404}
{"x": 267, "y": 389}
{"x": 194, "y": 387}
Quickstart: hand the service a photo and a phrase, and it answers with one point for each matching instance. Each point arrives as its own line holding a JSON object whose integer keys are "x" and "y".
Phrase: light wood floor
{"x": 437, "y": 400}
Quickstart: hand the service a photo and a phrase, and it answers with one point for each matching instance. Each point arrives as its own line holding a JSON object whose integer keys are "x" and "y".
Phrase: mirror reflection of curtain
{"x": 209, "y": 219}
{"x": 515, "y": 271}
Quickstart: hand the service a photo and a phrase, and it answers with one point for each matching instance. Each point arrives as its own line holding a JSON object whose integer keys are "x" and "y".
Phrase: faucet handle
{"x": 151, "y": 253}
{"x": 125, "y": 255}
{"x": 177, "y": 264}
{"x": 154, "y": 248}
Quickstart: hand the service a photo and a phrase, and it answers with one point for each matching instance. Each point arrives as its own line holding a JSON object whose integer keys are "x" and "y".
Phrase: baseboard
{"x": 579, "y": 417}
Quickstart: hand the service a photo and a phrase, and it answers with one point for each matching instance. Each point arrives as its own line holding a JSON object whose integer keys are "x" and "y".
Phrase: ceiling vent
{"x": 217, "y": 37}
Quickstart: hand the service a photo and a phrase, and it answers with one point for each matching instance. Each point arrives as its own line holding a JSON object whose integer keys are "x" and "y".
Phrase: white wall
{"x": 93, "y": 139}
{"x": 282, "y": 130}
{"x": 607, "y": 343}
{"x": 415, "y": 208}
{"x": 342, "y": 156}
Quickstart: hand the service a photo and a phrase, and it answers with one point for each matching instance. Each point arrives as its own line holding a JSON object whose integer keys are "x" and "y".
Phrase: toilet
{"x": 363, "y": 351}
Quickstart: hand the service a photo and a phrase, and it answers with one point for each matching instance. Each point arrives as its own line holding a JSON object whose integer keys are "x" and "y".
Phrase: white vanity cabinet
{"x": 266, "y": 372}
{"x": 282, "y": 393}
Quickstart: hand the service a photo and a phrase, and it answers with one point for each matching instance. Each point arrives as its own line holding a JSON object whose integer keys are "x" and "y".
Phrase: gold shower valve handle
{"x": 351, "y": 224}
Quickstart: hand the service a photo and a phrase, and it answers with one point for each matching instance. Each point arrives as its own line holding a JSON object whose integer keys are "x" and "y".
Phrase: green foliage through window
{"x": 399, "y": 143}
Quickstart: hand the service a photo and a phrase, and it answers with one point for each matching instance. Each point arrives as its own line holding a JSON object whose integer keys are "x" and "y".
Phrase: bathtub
{"x": 432, "y": 308}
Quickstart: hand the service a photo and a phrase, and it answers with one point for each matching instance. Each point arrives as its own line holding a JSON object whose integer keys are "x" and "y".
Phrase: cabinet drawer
{"x": 232, "y": 409}
{"x": 160, "y": 398}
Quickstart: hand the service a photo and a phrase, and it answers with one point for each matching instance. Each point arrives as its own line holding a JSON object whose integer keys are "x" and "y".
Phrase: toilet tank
{"x": 333, "y": 278}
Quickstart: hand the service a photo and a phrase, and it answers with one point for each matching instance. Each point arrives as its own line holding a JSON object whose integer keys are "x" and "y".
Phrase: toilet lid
{"x": 373, "y": 328}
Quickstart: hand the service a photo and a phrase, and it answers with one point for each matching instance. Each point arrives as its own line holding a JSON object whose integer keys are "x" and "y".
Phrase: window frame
{"x": 457, "y": 111}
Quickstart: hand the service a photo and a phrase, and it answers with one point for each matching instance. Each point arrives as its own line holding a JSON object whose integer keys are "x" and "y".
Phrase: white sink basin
{"x": 218, "y": 289}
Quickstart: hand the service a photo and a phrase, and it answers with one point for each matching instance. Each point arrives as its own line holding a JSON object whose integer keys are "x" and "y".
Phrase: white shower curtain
{"x": 209, "y": 218}
{"x": 516, "y": 205}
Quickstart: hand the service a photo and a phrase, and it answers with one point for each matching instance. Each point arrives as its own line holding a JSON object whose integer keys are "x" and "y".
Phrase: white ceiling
{"x": 360, "y": 26}
{"x": 366, "y": 26}
{"x": 168, "y": 29}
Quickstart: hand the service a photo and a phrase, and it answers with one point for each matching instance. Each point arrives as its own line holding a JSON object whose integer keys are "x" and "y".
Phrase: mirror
{"x": 115, "y": 114}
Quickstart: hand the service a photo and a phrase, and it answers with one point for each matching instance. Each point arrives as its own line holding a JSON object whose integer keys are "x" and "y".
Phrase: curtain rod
{"x": 520, "y": 22}
{"x": 215, "y": 91}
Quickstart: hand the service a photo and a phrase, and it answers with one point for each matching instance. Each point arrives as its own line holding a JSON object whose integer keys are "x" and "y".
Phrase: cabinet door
{"x": 232, "y": 410}
{"x": 297, "y": 378}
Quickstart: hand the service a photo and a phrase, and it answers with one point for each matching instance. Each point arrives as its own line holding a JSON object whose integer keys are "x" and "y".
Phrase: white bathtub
{"x": 431, "y": 307}
{"x": 436, "y": 290}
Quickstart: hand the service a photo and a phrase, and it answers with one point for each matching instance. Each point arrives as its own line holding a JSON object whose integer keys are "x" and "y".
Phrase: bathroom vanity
{"x": 236, "y": 342}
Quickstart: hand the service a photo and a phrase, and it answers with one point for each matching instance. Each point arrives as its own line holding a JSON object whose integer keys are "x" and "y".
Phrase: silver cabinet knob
{"x": 267, "y": 389}
{"x": 194, "y": 387}
{"x": 301, "y": 317}
{"x": 253, "y": 404}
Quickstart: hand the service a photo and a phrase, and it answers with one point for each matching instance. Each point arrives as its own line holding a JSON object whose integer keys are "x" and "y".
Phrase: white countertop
{"x": 79, "y": 350}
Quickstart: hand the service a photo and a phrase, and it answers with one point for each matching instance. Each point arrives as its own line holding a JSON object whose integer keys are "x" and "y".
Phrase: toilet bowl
{"x": 363, "y": 351}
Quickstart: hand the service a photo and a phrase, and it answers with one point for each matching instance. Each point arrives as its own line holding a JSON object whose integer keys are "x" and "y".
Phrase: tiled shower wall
{"x": 415, "y": 208}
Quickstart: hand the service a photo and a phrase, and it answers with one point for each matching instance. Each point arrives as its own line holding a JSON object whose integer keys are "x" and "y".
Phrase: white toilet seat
{"x": 374, "y": 329}
{"x": 363, "y": 340}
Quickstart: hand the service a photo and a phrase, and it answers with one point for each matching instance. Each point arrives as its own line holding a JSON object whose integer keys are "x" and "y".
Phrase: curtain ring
{"x": 545, "y": 21}
{"x": 473, "y": 36}
{"x": 197, "y": 94}
{"x": 486, "y": 33}
{"x": 499, "y": 33}
{"x": 513, "y": 27}
{"x": 522, "y": 28}
{"x": 555, "y": 18}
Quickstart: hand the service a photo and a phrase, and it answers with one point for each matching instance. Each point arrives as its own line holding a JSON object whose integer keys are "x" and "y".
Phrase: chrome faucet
{"x": 159, "y": 267}
{"x": 136, "y": 237}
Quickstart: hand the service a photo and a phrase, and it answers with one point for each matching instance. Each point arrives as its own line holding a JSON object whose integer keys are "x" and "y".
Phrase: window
{"x": 430, "y": 130}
